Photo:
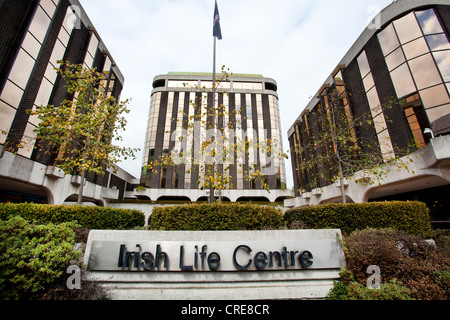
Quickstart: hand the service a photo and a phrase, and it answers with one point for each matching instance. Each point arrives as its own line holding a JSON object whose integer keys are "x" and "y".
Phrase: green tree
{"x": 84, "y": 125}
{"x": 334, "y": 150}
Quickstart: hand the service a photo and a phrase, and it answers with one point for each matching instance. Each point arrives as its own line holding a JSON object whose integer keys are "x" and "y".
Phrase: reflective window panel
{"x": 402, "y": 80}
{"x": 407, "y": 28}
{"x": 429, "y": 22}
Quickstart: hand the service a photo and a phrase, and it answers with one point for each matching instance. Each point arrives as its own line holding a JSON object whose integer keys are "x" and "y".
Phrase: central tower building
{"x": 250, "y": 108}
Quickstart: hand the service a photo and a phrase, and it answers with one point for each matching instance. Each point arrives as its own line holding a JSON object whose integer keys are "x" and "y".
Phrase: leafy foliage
{"x": 33, "y": 256}
{"x": 88, "y": 217}
{"x": 85, "y": 124}
{"x": 215, "y": 217}
{"x": 410, "y": 267}
{"x": 411, "y": 217}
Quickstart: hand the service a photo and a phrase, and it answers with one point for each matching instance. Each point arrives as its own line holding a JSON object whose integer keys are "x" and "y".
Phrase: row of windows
{"x": 188, "y": 145}
{"x": 417, "y": 53}
{"x": 24, "y": 64}
{"x": 235, "y": 85}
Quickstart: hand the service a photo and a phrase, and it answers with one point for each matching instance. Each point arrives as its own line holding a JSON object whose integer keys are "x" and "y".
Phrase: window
{"x": 39, "y": 25}
{"x": 402, "y": 80}
{"x": 21, "y": 71}
{"x": 388, "y": 40}
{"x": 424, "y": 71}
{"x": 429, "y": 22}
{"x": 443, "y": 61}
{"x": 395, "y": 59}
{"x": 6, "y": 119}
{"x": 407, "y": 28}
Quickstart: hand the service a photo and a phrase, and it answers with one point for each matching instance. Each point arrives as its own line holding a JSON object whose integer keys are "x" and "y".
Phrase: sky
{"x": 298, "y": 43}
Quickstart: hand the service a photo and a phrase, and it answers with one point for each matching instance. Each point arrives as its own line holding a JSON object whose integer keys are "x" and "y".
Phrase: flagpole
{"x": 211, "y": 188}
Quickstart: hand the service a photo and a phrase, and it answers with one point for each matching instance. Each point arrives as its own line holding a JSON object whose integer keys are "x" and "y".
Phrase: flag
{"x": 216, "y": 30}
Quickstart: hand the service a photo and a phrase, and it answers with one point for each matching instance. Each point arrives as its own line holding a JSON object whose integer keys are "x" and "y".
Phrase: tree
{"x": 211, "y": 140}
{"x": 84, "y": 125}
{"x": 334, "y": 149}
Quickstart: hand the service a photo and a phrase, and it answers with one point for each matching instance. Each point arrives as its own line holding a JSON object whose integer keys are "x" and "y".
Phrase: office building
{"x": 250, "y": 111}
{"x": 34, "y": 36}
{"x": 402, "y": 59}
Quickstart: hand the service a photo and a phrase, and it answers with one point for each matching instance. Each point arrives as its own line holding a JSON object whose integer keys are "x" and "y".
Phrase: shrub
{"x": 215, "y": 217}
{"x": 33, "y": 256}
{"x": 88, "y": 217}
{"x": 412, "y": 217}
{"x": 352, "y": 290}
{"x": 420, "y": 267}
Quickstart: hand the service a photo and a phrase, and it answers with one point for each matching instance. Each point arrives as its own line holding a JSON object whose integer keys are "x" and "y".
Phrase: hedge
{"x": 411, "y": 216}
{"x": 202, "y": 217}
{"x": 89, "y": 217}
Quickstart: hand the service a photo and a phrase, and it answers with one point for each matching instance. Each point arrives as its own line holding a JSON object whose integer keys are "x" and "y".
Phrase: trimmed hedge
{"x": 227, "y": 217}
{"x": 411, "y": 216}
{"x": 99, "y": 218}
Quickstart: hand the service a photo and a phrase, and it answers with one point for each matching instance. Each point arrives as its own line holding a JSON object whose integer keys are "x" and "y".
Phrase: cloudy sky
{"x": 296, "y": 42}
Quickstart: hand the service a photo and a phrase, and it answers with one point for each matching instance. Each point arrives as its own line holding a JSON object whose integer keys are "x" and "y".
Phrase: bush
{"x": 88, "y": 217}
{"x": 352, "y": 290}
{"x": 408, "y": 260}
{"x": 215, "y": 217}
{"x": 412, "y": 217}
{"x": 33, "y": 257}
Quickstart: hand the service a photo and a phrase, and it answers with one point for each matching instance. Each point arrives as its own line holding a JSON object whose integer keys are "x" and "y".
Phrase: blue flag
{"x": 217, "y": 32}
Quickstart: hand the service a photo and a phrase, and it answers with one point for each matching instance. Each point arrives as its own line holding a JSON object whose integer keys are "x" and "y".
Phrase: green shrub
{"x": 215, "y": 217}
{"x": 392, "y": 290}
{"x": 412, "y": 217}
{"x": 88, "y": 217}
{"x": 33, "y": 257}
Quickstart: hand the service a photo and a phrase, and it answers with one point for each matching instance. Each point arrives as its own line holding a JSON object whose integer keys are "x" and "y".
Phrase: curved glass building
{"x": 401, "y": 60}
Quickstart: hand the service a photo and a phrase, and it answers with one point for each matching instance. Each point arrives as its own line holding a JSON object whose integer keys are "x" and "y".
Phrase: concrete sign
{"x": 263, "y": 258}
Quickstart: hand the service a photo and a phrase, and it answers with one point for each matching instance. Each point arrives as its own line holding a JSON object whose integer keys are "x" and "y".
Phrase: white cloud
{"x": 297, "y": 43}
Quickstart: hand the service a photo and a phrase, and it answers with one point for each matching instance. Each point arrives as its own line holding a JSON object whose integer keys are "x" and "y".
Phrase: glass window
{"x": 31, "y": 45}
{"x": 58, "y": 53}
{"x": 429, "y": 22}
{"x": 388, "y": 40}
{"x": 434, "y": 96}
{"x": 407, "y": 28}
{"x": 48, "y": 7}
{"x": 93, "y": 44}
{"x": 107, "y": 66}
{"x": 387, "y": 150}
{"x": 39, "y": 25}
{"x": 63, "y": 36}
{"x": 443, "y": 61}
{"x": 12, "y": 94}
{"x": 44, "y": 93}
{"x": 435, "y": 114}
{"x": 402, "y": 80}
{"x": 6, "y": 119}
{"x": 50, "y": 73}
{"x": 372, "y": 97}
{"x": 29, "y": 138}
{"x": 69, "y": 21}
{"x": 395, "y": 59}
{"x": 363, "y": 63}
{"x": 368, "y": 82}
{"x": 415, "y": 48}
{"x": 424, "y": 71}
{"x": 438, "y": 42}
{"x": 21, "y": 71}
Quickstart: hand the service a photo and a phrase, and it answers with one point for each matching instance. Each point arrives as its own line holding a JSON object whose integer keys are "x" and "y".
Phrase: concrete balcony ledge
{"x": 54, "y": 172}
